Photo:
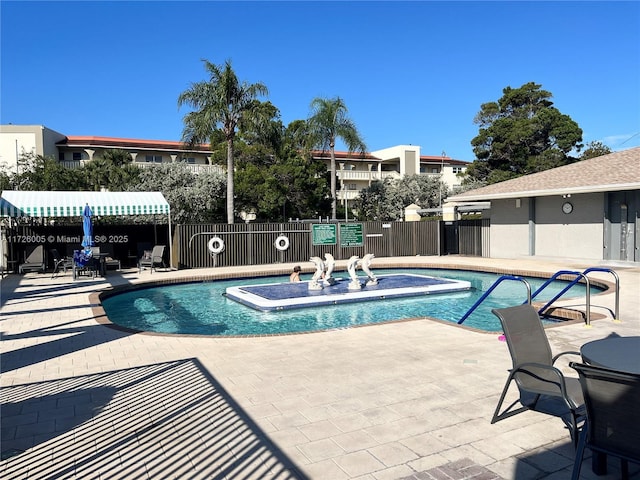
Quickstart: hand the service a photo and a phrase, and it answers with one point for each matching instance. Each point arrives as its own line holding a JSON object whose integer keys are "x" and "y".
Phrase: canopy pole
{"x": 170, "y": 242}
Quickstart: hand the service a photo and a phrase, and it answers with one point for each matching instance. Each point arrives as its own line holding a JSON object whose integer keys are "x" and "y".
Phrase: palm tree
{"x": 329, "y": 121}
{"x": 222, "y": 101}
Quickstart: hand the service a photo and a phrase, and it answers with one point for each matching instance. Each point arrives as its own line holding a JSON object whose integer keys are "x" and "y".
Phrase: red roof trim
{"x": 77, "y": 140}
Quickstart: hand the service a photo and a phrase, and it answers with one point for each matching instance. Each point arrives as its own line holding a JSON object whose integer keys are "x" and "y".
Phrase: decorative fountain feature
{"x": 333, "y": 291}
{"x": 365, "y": 264}
{"x": 351, "y": 268}
{"x": 329, "y": 264}
{"x": 314, "y": 284}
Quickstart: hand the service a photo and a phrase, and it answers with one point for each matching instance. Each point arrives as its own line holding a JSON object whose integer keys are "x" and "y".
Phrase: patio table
{"x": 617, "y": 353}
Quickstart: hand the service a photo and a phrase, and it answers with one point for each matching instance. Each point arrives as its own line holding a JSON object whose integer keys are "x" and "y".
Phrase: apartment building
{"x": 355, "y": 171}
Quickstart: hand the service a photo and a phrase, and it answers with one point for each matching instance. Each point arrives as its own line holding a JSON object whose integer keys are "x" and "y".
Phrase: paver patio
{"x": 403, "y": 400}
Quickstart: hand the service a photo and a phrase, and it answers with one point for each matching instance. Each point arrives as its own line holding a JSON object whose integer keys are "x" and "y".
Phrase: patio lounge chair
{"x": 542, "y": 387}
{"x": 613, "y": 417}
{"x": 34, "y": 262}
{"x": 153, "y": 259}
{"x": 60, "y": 262}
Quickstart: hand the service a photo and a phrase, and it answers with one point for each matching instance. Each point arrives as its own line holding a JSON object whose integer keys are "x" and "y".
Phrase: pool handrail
{"x": 616, "y": 312}
{"x": 491, "y": 288}
{"x": 565, "y": 289}
{"x": 581, "y": 275}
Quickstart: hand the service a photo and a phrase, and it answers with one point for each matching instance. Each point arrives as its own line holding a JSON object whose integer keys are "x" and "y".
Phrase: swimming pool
{"x": 202, "y": 309}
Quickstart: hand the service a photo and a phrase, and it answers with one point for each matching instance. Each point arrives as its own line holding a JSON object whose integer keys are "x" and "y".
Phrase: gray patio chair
{"x": 613, "y": 417}
{"x": 60, "y": 262}
{"x": 542, "y": 386}
{"x": 34, "y": 262}
{"x": 154, "y": 259}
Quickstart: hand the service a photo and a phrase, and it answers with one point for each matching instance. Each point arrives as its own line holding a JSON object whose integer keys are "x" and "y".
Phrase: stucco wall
{"x": 15, "y": 141}
{"x": 575, "y": 235}
{"x": 509, "y": 232}
{"x": 556, "y": 234}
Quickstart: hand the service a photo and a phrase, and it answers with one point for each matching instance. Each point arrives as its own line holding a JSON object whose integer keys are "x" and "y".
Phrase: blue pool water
{"x": 201, "y": 308}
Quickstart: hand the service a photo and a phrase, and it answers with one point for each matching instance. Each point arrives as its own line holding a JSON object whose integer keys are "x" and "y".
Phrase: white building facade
{"x": 355, "y": 171}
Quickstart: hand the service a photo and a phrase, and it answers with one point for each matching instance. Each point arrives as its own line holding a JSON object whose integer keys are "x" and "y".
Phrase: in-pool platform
{"x": 282, "y": 296}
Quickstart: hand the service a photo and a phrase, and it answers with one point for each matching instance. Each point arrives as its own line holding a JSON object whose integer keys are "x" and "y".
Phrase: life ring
{"x": 282, "y": 243}
{"x": 216, "y": 245}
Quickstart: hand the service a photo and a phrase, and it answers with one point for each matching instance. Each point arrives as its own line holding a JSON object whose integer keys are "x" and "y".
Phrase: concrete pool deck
{"x": 410, "y": 399}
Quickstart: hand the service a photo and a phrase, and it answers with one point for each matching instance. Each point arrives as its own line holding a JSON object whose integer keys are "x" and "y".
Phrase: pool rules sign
{"x": 351, "y": 235}
{"x": 327, "y": 234}
{"x": 324, "y": 234}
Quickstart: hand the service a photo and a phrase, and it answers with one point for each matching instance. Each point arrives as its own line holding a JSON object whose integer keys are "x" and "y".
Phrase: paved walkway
{"x": 404, "y": 400}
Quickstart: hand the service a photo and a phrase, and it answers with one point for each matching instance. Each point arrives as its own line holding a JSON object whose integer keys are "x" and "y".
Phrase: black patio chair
{"x": 612, "y": 401}
{"x": 543, "y": 388}
{"x": 60, "y": 262}
{"x": 109, "y": 259}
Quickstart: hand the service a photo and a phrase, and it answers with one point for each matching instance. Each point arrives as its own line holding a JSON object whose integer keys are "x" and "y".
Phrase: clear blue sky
{"x": 409, "y": 72}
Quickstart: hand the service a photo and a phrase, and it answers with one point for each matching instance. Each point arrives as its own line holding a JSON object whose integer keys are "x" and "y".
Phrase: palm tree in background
{"x": 328, "y": 122}
{"x": 223, "y": 102}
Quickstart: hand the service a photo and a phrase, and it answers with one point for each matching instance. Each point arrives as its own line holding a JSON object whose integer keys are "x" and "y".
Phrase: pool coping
{"x": 565, "y": 316}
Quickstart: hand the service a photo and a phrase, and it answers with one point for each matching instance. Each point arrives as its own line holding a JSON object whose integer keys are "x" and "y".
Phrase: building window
{"x": 153, "y": 158}
{"x": 77, "y": 156}
{"x": 352, "y": 186}
{"x": 61, "y": 156}
{"x": 190, "y": 160}
{"x": 457, "y": 169}
{"x": 434, "y": 170}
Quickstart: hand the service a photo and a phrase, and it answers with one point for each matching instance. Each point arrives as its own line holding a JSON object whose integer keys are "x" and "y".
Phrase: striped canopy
{"x": 71, "y": 204}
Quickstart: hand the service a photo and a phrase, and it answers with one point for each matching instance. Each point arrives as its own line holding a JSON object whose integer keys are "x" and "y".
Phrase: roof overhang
{"x": 544, "y": 193}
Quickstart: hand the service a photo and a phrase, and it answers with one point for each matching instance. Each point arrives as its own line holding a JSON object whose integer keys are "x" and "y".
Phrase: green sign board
{"x": 324, "y": 234}
{"x": 351, "y": 235}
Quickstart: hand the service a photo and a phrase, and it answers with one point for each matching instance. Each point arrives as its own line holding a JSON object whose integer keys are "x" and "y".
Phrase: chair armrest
{"x": 553, "y": 360}
{"x": 559, "y": 381}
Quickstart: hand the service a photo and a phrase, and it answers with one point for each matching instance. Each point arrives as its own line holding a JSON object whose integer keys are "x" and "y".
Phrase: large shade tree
{"x": 222, "y": 102}
{"x": 327, "y": 123}
{"x": 522, "y": 133}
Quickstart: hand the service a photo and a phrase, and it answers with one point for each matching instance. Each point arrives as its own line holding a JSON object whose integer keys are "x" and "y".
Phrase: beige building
{"x": 355, "y": 171}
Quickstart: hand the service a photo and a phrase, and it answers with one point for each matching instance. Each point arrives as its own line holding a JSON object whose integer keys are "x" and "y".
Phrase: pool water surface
{"x": 202, "y": 308}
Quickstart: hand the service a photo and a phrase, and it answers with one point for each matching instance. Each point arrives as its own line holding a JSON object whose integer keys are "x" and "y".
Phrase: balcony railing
{"x": 193, "y": 167}
{"x": 347, "y": 194}
{"x": 365, "y": 176}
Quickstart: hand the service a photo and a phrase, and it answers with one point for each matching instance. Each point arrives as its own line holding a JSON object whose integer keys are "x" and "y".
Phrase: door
{"x": 622, "y": 237}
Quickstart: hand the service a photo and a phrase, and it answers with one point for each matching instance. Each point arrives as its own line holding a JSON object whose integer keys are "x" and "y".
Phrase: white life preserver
{"x": 216, "y": 245}
{"x": 282, "y": 243}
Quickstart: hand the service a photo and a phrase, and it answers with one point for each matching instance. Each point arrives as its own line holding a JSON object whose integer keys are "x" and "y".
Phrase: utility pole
{"x": 441, "y": 174}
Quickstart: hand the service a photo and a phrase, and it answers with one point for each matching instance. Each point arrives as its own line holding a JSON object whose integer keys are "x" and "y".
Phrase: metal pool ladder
{"x": 578, "y": 276}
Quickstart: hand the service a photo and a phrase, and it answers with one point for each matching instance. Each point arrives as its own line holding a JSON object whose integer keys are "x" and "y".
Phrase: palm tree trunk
{"x": 230, "y": 189}
{"x": 333, "y": 184}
